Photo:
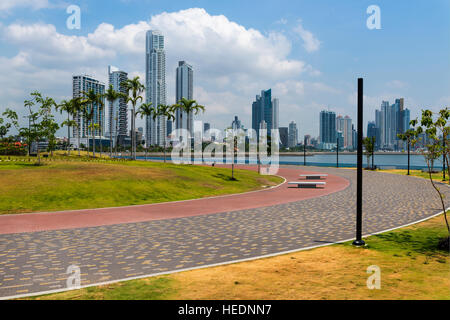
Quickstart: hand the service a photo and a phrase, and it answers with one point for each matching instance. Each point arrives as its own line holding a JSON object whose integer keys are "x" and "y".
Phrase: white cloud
{"x": 231, "y": 63}
{"x": 6, "y": 5}
{"x": 48, "y": 47}
{"x": 310, "y": 42}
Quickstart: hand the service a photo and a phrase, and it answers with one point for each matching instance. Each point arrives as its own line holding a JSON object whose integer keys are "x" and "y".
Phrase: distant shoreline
{"x": 286, "y": 154}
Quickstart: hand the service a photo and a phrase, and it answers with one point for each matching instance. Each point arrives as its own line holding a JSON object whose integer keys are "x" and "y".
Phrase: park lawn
{"x": 67, "y": 185}
{"x": 411, "y": 268}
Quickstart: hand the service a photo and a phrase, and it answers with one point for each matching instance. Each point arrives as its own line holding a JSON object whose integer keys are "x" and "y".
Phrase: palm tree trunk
{"x": 164, "y": 148}
{"x": 68, "y": 135}
{"x": 430, "y": 168}
{"x": 232, "y": 170}
{"x": 79, "y": 142}
{"x": 134, "y": 132}
{"x": 110, "y": 134}
{"x": 101, "y": 142}
{"x": 93, "y": 140}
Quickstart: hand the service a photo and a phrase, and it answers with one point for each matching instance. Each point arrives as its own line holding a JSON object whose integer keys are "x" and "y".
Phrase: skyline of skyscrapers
{"x": 390, "y": 121}
{"x": 155, "y": 79}
{"x": 84, "y": 83}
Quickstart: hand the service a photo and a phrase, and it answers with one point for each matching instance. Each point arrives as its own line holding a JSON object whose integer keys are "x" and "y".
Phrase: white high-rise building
{"x": 118, "y": 113}
{"x": 292, "y": 135}
{"x": 155, "y": 74}
{"x": 84, "y": 83}
{"x": 344, "y": 125}
{"x": 184, "y": 89}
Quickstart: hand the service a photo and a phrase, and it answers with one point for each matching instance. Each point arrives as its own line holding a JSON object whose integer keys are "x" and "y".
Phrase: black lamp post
{"x": 409, "y": 152}
{"x": 373, "y": 152}
{"x": 359, "y": 241}
{"x": 337, "y": 152}
{"x": 304, "y": 151}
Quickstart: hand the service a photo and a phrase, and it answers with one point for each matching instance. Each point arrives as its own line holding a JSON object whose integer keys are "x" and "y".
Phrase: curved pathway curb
{"x": 46, "y": 221}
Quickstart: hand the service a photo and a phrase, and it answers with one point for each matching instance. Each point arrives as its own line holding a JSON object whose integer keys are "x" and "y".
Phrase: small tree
{"x": 168, "y": 113}
{"x": 92, "y": 99}
{"x": 408, "y": 136}
{"x": 135, "y": 88}
{"x": 369, "y": 145}
{"x": 112, "y": 96}
{"x": 4, "y": 128}
{"x": 146, "y": 110}
{"x": 433, "y": 125}
{"x": 49, "y": 128}
{"x": 39, "y": 120}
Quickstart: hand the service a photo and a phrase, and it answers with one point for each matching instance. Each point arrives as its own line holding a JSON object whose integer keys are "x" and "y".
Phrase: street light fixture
{"x": 359, "y": 241}
{"x": 337, "y": 152}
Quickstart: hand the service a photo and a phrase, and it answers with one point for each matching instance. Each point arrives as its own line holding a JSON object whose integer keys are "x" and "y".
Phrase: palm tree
{"x": 147, "y": 110}
{"x": 111, "y": 96}
{"x": 68, "y": 107}
{"x": 167, "y": 112}
{"x": 408, "y": 136}
{"x": 78, "y": 105}
{"x": 116, "y": 119}
{"x": 136, "y": 88}
{"x": 369, "y": 144}
{"x": 92, "y": 98}
{"x": 189, "y": 107}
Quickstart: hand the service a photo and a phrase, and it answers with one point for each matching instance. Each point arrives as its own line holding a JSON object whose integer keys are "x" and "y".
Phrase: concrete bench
{"x": 313, "y": 176}
{"x": 308, "y": 184}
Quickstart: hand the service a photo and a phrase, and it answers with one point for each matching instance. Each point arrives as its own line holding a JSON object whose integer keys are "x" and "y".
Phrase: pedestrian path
{"x": 159, "y": 243}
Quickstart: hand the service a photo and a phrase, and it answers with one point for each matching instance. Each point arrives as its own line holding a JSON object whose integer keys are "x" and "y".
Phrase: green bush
{"x": 13, "y": 149}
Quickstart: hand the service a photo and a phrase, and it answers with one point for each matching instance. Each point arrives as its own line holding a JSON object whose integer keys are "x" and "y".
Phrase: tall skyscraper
{"x": 293, "y": 135}
{"x": 390, "y": 121}
{"x": 155, "y": 73}
{"x": 307, "y": 139}
{"x": 284, "y": 136}
{"x": 275, "y": 113}
{"x": 206, "y": 127}
{"x": 184, "y": 89}
{"x": 82, "y": 84}
{"x": 263, "y": 110}
{"x": 118, "y": 113}
{"x": 169, "y": 127}
{"x": 355, "y": 137}
{"x": 371, "y": 130}
{"x": 236, "y": 124}
{"x": 344, "y": 125}
{"x": 327, "y": 133}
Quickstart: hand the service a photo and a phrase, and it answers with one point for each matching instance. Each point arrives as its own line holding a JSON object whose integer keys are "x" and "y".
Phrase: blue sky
{"x": 237, "y": 49}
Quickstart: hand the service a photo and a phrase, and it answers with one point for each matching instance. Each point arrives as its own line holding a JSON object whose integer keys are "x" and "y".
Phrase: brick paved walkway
{"x": 37, "y": 261}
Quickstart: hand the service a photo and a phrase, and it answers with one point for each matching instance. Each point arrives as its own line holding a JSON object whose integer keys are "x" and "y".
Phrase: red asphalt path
{"x": 32, "y": 222}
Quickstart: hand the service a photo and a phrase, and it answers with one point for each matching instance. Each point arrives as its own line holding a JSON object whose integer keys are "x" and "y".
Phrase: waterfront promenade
{"x": 125, "y": 243}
